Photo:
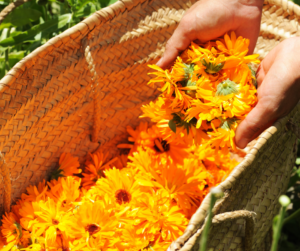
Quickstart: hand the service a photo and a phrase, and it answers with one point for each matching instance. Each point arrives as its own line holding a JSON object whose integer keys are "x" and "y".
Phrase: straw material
{"x": 79, "y": 91}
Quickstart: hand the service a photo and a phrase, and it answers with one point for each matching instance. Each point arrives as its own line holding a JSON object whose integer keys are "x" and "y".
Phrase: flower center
{"x": 92, "y": 229}
{"x": 226, "y": 87}
{"x": 122, "y": 196}
{"x": 161, "y": 145}
{"x": 55, "y": 222}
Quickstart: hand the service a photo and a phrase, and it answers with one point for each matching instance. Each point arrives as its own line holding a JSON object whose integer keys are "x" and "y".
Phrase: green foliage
{"x": 20, "y": 17}
{"x": 296, "y": 1}
{"x": 35, "y": 22}
{"x": 46, "y": 28}
{"x": 289, "y": 239}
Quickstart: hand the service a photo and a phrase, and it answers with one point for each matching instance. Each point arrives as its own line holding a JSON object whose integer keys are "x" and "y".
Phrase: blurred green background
{"x": 35, "y": 22}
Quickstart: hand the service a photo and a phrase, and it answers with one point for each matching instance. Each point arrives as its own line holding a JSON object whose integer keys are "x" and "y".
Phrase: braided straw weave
{"x": 79, "y": 91}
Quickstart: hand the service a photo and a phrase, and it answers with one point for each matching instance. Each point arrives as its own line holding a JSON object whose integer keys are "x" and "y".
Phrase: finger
{"x": 255, "y": 123}
{"x": 197, "y": 23}
{"x": 275, "y": 99}
{"x": 179, "y": 41}
{"x": 260, "y": 75}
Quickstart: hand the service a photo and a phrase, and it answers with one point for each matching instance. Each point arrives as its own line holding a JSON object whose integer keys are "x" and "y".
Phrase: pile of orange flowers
{"x": 205, "y": 95}
{"x": 143, "y": 200}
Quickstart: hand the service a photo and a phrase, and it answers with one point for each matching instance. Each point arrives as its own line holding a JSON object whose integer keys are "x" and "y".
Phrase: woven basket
{"x": 79, "y": 91}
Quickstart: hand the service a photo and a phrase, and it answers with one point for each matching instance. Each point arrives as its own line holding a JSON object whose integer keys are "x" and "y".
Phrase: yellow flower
{"x": 11, "y": 228}
{"x": 223, "y": 137}
{"x": 158, "y": 111}
{"x": 53, "y": 222}
{"x": 119, "y": 185}
{"x": 94, "y": 221}
{"x": 64, "y": 191}
{"x": 182, "y": 183}
{"x": 158, "y": 217}
{"x": 233, "y": 46}
{"x": 203, "y": 111}
{"x": 130, "y": 240}
{"x": 168, "y": 85}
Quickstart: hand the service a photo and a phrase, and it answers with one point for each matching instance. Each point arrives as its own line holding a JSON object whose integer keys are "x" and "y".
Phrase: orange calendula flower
{"x": 157, "y": 216}
{"x": 210, "y": 81}
{"x": 11, "y": 229}
{"x": 68, "y": 166}
{"x": 94, "y": 169}
{"x": 53, "y": 222}
{"x": 94, "y": 220}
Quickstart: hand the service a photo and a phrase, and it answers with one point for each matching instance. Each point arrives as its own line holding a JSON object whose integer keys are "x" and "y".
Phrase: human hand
{"x": 278, "y": 79}
{"x": 209, "y": 19}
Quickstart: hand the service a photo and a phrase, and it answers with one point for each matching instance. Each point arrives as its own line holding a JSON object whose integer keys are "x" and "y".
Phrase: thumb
{"x": 259, "y": 119}
{"x": 275, "y": 99}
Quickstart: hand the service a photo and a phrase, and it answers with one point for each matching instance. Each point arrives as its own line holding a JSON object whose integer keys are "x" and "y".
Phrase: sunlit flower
{"x": 94, "y": 168}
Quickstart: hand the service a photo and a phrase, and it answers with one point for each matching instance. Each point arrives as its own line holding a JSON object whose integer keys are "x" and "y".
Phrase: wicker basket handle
{"x": 6, "y": 183}
{"x": 95, "y": 90}
{"x": 249, "y": 218}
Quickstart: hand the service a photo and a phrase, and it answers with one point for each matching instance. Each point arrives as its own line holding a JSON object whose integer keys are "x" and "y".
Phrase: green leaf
{"x": 85, "y": 11}
{"x": 112, "y": 1}
{"x": 14, "y": 56}
{"x": 72, "y": 3}
{"x": 46, "y": 28}
{"x": 298, "y": 161}
{"x": 20, "y": 17}
{"x": 105, "y": 3}
{"x": 172, "y": 125}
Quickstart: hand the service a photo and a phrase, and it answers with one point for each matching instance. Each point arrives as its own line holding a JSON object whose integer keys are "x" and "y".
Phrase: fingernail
{"x": 243, "y": 143}
{"x": 159, "y": 61}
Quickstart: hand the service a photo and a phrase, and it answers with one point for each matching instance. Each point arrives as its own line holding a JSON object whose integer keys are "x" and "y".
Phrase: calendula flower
{"x": 182, "y": 183}
{"x": 94, "y": 221}
{"x": 168, "y": 85}
{"x": 152, "y": 138}
{"x": 130, "y": 240}
{"x": 158, "y": 217}
{"x": 53, "y": 221}
{"x": 64, "y": 191}
{"x": 233, "y": 46}
{"x": 35, "y": 193}
{"x": 223, "y": 137}
{"x": 94, "y": 169}
{"x": 68, "y": 166}
{"x": 158, "y": 111}
{"x": 11, "y": 229}
{"x": 119, "y": 185}
{"x": 2, "y": 241}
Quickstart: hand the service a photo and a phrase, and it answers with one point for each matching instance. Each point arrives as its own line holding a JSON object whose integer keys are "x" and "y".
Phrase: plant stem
{"x": 284, "y": 201}
{"x": 69, "y": 24}
{"x": 293, "y": 216}
{"x": 7, "y": 67}
{"x": 204, "y": 236}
